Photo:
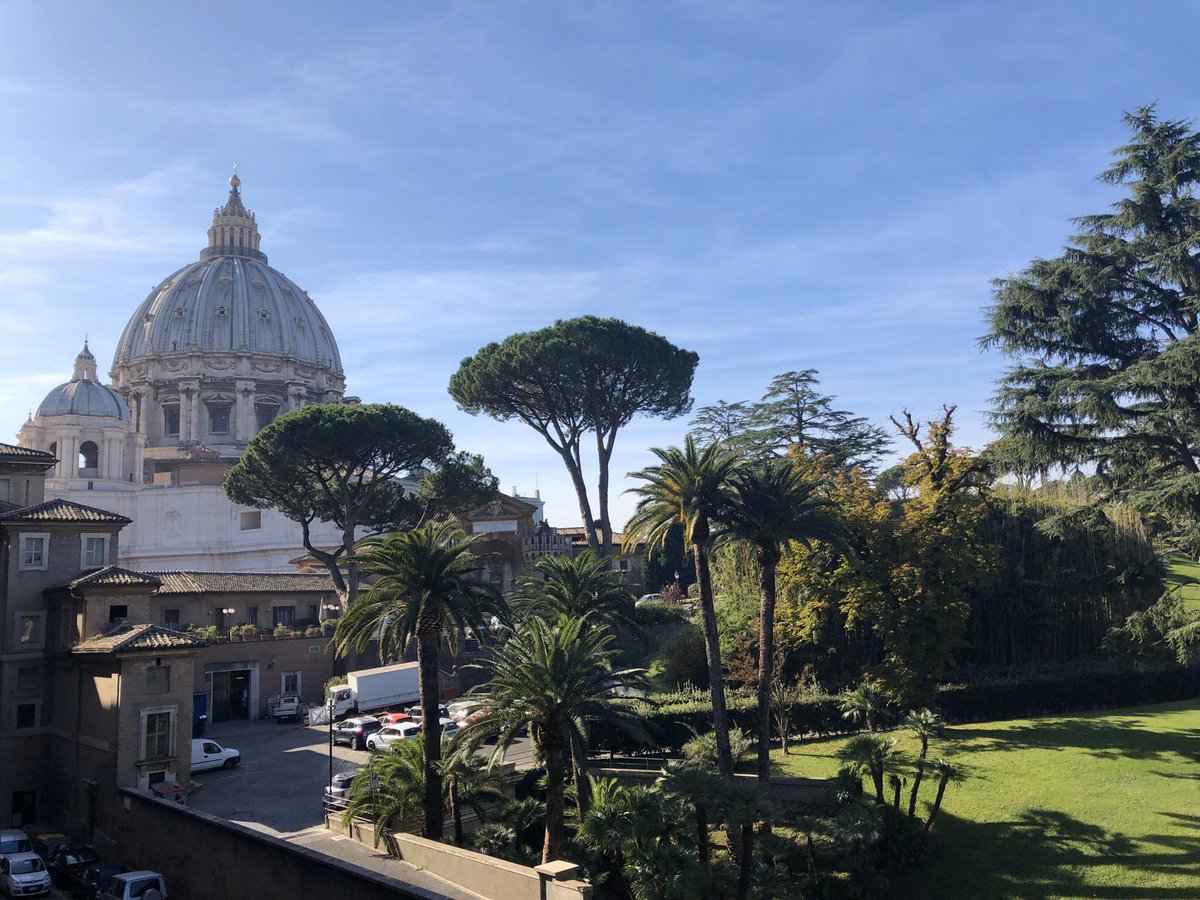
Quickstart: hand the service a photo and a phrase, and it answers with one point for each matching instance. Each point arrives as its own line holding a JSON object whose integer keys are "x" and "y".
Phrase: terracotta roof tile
{"x": 115, "y": 576}
{"x": 127, "y": 638}
{"x": 25, "y": 454}
{"x": 63, "y": 511}
{"x": 240, "y": 582}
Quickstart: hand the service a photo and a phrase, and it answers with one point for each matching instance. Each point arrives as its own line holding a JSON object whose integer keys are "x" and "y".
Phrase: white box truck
{"x": 376, "y": 689}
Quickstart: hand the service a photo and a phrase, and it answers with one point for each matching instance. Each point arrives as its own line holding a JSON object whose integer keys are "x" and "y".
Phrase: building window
{"x": 313, "y": 611}
{"x": 117, "y": 612}
{"x": 29, "y": 630}
{"x": 158, "y": 733}
{"x": 66, "y": 625}
{"x": 171, "y": 619}
{"x": 35, "y": 552}
{"x": 289, "y": 683}
{"x": 623, "y": 565}
{"x": 27, "y": 715}
{"x": 284, "y": 615}
{"x": 250, "y": 521}
{"x": 252, "y": 615}
{"x": 171, "y": 419}
{"x": 264, "y": 414}
{"x": 218, "y": 420}
{"x": 158, "y": 679}
{"x": 221, "y": 312}
{"x": 95, "y": 551}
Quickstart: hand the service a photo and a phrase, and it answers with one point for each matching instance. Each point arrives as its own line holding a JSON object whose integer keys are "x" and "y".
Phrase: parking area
{"x": 279, "y": 785}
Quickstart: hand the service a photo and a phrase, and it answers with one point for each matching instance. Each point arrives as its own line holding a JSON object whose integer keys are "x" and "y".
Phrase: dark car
{"x": 68, "y": 860}
{"x": 354, "y": 732}
{"x": 92, "y": 879}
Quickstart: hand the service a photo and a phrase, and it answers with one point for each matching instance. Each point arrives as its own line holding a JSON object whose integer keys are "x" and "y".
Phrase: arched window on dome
{"x": 89, "y": 459}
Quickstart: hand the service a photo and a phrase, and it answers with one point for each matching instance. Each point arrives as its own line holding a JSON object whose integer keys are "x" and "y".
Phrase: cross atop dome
{"x": 234, "y": 230}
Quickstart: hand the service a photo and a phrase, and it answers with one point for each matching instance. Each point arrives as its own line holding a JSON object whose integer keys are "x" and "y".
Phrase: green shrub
{"x": 656, "y": 612}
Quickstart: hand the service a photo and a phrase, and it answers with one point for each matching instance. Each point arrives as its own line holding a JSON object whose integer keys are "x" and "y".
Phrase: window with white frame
{"x": 289, "y": 683}
{"x": 93, "y": 551}
{"x": 250, "y": 521}
{"x": 158, "y": 732}
{"x": 35, "y": 552}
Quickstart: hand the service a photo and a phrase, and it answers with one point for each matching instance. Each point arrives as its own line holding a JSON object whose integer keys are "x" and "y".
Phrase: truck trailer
{"x": 376, "y": 689}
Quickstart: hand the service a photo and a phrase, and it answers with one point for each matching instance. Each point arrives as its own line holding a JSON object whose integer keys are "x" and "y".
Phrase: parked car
{"x": 23, "y": 875}
{"x": 449, "y": 726}
{"x": 67, "y": 861}
{"x": 94, "y": 878}
{"x": 415, "y": 712}
{"x": 391, "y": 734}
{"x": 337, "y": 795}
{"x": 393, "y": 718}
{"x": 14, "y": 840}
{"x": 140, "y": 885}
{"x": 354, "y": 732}
{"x": 460, "y": 709}
{"x": 208, "y": 754}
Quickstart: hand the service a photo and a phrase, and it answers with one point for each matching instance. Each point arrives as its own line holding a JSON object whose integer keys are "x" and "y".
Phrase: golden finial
{"x": 235, "y": 182}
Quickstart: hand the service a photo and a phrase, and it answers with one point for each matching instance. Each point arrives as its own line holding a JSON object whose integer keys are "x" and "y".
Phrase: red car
{"x": 391, "y": 718}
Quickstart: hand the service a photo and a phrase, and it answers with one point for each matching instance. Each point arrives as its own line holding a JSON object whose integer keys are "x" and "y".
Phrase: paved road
{"x": 279, "y": 785}
{"x": 284, "y": 770}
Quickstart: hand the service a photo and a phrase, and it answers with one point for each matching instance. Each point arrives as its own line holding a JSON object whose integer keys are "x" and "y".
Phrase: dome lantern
{"x": 234, "y": 230}
{"x": 85, "y": 365}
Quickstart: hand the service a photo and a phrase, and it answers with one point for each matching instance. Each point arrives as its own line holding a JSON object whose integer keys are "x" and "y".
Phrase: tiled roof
{"x": 240, "y": 582}
{"x": 63, "y": 511}
{"x": 25, "y": 454}
{"x": 578, "y": 535}
{"x": 126, "y": 638}
{"x": 115, "y": 576}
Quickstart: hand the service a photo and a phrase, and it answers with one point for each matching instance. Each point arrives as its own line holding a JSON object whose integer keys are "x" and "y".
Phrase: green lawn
{"x": 1095, "y": 805}
{"x": 1185, "y": 573}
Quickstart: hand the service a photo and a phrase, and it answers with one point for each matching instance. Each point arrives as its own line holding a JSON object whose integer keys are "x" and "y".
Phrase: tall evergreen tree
{"x": 1104, "y": 336}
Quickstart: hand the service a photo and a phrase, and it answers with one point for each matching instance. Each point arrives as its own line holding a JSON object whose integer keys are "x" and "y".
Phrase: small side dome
{"x": 83, "y": 395}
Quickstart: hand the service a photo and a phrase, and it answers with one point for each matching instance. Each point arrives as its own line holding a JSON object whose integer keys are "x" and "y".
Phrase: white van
{"x": 207, "y": 754}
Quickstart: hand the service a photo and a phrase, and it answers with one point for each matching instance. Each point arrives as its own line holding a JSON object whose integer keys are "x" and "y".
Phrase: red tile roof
{"x": 240, "y": 582}
{"x": 63, "y": 511}
{"x": 127, "y": 638}
{"x": 115, "y": 576}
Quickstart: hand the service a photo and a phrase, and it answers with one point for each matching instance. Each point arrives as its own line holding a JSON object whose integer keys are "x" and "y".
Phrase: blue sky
{"x": 774, "y": 185}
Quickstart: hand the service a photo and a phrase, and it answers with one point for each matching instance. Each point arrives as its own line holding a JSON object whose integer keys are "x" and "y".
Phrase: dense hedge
{"x": 1018, "y": 697}
{"x": 673, "y": 719}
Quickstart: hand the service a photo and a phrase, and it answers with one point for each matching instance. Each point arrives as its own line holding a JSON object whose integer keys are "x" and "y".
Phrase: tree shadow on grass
{"x": 1103, "y": 737}
{"x": 1042, "y": 854}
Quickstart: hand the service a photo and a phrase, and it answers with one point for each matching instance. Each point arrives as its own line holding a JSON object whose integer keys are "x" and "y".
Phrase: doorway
{"x": 231, "y": 695}
{"x": 24, "y": 808}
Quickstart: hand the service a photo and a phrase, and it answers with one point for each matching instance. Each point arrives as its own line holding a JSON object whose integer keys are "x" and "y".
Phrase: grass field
{"x": 1096, "y": 805}
{"x": 1185, "y": 573}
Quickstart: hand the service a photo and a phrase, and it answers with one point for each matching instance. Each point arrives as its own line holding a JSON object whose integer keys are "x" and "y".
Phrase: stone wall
{"x": 486, "y": 876}
{"x": 206, "y": 858}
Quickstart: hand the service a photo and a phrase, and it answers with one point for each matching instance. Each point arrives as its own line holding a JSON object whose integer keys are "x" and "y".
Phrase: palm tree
{"x": 870, "y": 754}
{"x": 744, "y": 803}
{"x": 396, "y": 801}
{"x": 469, "y": 784}
{"x": 552, "y": 679}
{"x": 926, "y": 725}
{"x": 622, "y": 820}
{"x": 585, "y": 585}
{"x": 774, "y": 503}
{"x": 946, "y": 772}
{"x": 867, "y": 703}
{"x": 688, "y": 488}
{"x": 695, "y": 784}
{"x": 422, "y": 593}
